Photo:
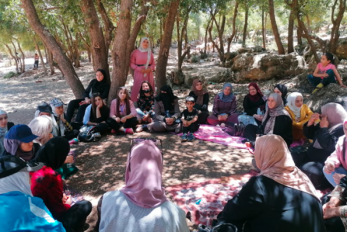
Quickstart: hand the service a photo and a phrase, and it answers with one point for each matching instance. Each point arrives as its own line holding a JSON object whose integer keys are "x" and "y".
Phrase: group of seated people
{"x": 282, "y": 197}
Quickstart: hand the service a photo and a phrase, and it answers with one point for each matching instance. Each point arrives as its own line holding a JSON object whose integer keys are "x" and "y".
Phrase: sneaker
{"x": 191, "y": 137}
{"x": 184, "y": 137}
{"x": 141, "y": 128}
{"x": 73, "y": 141}
{"x": 129, "y": 131}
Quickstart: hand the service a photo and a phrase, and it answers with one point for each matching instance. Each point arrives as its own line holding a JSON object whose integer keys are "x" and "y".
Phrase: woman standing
{"x": 122, "y": 118}
{"x": 5, "y": 126}
{"x": 201, "y": 97}
{"x": 143, "y": 64}
{"x": 97, "y": 114}
{"x": 98, "y": 85}
{"x": 224, "y": 107}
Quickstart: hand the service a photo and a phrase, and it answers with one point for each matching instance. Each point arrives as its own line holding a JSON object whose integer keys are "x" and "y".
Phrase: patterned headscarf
{"x": 57, "y": 102}
{"x": 273, "y": 113}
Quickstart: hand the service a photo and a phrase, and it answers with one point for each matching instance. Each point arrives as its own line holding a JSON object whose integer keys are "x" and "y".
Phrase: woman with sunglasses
{"x": 5, "y": 126}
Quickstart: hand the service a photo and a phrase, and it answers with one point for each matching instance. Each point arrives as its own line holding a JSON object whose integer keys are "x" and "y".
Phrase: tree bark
{"x": 13, "y": 57}
{"x": 64, "y": 63}
{"x": 109, "y": 27}
{"x": 23, "y": 56}
{"x": 41, "y": 58}
{"x": 274, "y": 28}
{"x": 230, "y": 38}
{"x": 180, "y": 35}
{"x": 263, "y": 29}
{"x": 220, "y": 30}
{"x": 165, "y": 45}
{"x": 309, "y": 39}
{"x": 291, "y": 32}
{"x": 99, "y": 51}
{"x": 244, "y": 37}
{"x": 119, "y": 75}
{"x": 336, "y": 24}
{"x": 206, "y": 33}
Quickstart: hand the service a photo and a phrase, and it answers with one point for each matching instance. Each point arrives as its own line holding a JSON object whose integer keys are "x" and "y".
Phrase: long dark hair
{"x": 127, "y": 101}
{"x": 93, "y": 111}
{"x": 142, "y": 93}
{"x": 329, "y": 57}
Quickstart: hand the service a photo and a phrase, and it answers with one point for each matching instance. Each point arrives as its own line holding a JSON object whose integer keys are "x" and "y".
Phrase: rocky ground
{"x": 102, "y": 164}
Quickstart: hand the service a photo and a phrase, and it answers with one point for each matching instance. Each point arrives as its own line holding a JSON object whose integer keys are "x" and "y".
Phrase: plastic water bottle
{"x": 168, "y": 114}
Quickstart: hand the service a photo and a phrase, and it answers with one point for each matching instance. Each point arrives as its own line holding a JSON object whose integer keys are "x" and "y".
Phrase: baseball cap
{"x": 44, "y": 107}
{"x": 21, "y": 132}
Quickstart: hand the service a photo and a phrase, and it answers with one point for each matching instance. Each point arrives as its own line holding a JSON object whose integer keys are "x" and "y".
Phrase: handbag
{"x": 236, "y": 130}
{"x": 88, "y": 134}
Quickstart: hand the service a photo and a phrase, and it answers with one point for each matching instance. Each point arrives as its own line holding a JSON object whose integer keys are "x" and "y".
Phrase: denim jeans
{"x": 141, "y": 114}
{"x": 325, "y": 81}
{"x": 330, "y": 178}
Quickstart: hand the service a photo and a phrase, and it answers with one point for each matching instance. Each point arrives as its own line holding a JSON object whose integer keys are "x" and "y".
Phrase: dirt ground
{"x": 102, "y": 163}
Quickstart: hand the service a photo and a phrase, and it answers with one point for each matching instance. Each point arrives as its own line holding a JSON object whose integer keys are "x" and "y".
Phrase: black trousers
{"x": 102, "y": 127}
{"x": 202, "y": 117}
{"x": 250, "y": 132}
{"x": 75, "y": 104}
{"x": 191, "y": 128}
{"x": 314, "y": 171}
{"x": 130, "y": 123}
{"x": 71, "y": 134}
{"x": 75, "y": 217}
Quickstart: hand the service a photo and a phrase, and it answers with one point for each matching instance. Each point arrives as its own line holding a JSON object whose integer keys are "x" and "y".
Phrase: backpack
{"x": 88, "y": 134}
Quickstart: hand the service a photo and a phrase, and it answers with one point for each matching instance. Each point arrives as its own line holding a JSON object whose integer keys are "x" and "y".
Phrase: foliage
{"x": 9, "y": 75}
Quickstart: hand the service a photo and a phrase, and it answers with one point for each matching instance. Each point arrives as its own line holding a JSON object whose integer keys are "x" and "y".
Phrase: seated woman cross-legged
{"x": 141, "y": 205}
{"x": 202, "y": 98}
{"x": 275, "y": 121}
{"x": 145, "y": 105}
{"x": 122, "y": 118}
{"x": 96, "y": 114}
{"x": 224, "y": 107}
{"x": 280, "y": 199}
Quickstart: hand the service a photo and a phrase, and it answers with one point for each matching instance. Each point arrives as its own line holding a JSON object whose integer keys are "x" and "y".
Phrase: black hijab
{"x": 167, "y": 98}
{"x": 101, "y": 86}
{"x": 283, "y": 89}
{"x": 54, "y": 152}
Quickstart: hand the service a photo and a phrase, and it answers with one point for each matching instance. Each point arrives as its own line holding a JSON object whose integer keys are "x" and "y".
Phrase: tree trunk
{"x": 64, "y": 63}
{"x": 109, "y": 27}
{"x": 309, "y": 39}
{"x": 165, "y": 45}
{"x": 230, "y": 38}
{"x": 274, "y": 28}
{"x": 245, "y": 26}
{"x": 220, "y": 30}
{"x": 263, "y": 24}
{"x": 13, "y": 57}
{"x": 291, "y": 32}
{"x": 99, "y": 51}
{"x": 23, "y": 56}
{"x": 50, "y": 61}
{"x": 119, "y": 75}
{"x": 41, "y": 58}
{"x": 180, "y": 35}
{"x": 299, "y": 35}
{"x": 206, "y": 33}
{"x": 334, "y": 38}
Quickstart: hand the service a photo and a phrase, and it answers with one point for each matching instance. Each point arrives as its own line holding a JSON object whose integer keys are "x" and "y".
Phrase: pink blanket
{"x": 217, "y": 135}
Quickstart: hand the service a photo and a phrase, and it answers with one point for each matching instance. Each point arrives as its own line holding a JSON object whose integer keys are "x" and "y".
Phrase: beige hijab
{"x": 275, "y": 162}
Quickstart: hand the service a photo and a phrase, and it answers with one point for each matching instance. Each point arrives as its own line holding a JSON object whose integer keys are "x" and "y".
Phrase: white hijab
{"x": 291, "y": 104}
{"x": 20, "y": 181}
{"x": 148, "y": 50}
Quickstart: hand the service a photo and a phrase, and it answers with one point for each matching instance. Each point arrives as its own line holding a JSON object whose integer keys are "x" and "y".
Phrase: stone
{"x": 230, "y": 55}
{"x": 188, "y": 79}
{"x": 341, "y": 49}
{"x": 243, "y": 50}
{"x": 176, "y": 77}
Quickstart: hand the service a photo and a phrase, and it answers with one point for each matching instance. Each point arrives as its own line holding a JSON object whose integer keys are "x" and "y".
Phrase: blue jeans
{"x": 325, "y": 81}
{"x": 330, "y": 178}
{"x": 141, "y": 114}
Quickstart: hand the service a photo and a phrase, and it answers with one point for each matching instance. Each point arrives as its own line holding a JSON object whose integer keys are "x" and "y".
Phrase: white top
{"x": 119, "y": 213}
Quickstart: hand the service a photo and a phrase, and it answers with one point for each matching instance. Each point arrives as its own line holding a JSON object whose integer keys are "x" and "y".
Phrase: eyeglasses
{"x": 3, "y": 118}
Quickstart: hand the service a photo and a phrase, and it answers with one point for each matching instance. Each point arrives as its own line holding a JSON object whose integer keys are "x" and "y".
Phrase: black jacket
{"x": 251, "y": 107}
{"x": 267, "y": 206}
{"x": 283, "y": 127}
{"x": 327, "y": 138}
{"x": 97, "y": 87}
{"x": 206, "y": 99}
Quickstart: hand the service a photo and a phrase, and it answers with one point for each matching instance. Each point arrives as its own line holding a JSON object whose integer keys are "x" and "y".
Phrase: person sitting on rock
{"x": 141, "y": 205}
{"x": 280, "y": 197}
{"x": 253, "y": 104}
{"x": 324, "y": 129}
{"x": 224, "y": 107}
{"x": 275, "y": 121}
{"x": 202, "y": 98}
{"x": 337, "y": 161}
{"x": 299, "y": 112}
{"x": 325, "y": 73}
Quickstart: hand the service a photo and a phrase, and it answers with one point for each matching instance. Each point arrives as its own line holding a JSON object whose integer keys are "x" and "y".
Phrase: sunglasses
{"x": 3, "y": 118}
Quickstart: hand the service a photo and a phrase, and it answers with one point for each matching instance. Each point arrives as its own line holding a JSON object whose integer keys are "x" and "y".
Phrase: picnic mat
{"x": 217, "y": 135}
{"x": 203, "y": 201}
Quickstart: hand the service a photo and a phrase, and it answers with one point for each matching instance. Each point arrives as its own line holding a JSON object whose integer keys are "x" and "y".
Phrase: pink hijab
{"x": 275, "y": 162}
{"x": 143, "y": 176}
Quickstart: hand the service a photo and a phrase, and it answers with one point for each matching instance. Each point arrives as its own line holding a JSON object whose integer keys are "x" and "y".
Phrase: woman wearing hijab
{"x": 299, "y": 112}
{"x": 280, "y": 198}
{"x": 141, "y": 205}
{"x": 201, "y": 97}
{"x": 143, "y": 64}
{"x": 224, "y": 107}
{"x": 48, "y": 185}
{"x": 5, "y": 126}
{"x": 282, "y": 91}
{"x": 324, "y": 129}
{"x": 21, "y": 211}
{"x": 61, "y": 127}
{"x": 337, "y": 161}
{"x": 97, "y": 85}
{"x": 253, "y": 105}
{"x": 275, "y": 121}
{"x": 19, "y": 142}
{"x": 167, "y": 112}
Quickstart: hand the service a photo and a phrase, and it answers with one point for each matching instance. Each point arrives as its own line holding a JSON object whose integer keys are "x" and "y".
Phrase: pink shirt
{"x": 336, "y": 157}
{"x": 122, "y": 109}
{"x": 140, "y": 58}
{"x": 322, "y": 69}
